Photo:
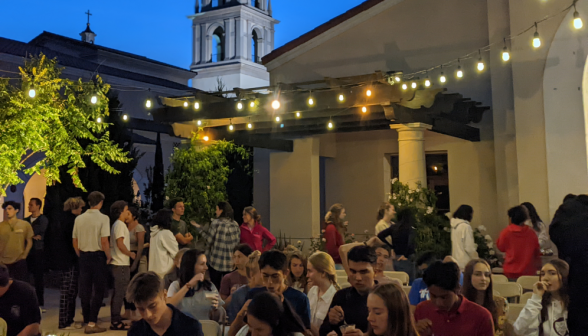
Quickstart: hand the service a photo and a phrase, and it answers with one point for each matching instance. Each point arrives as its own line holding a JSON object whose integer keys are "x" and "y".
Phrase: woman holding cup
{"x": 193, "y": 294}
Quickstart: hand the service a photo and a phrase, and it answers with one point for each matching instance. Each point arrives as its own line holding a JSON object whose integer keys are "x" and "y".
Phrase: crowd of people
{"x": 168, "y": 286}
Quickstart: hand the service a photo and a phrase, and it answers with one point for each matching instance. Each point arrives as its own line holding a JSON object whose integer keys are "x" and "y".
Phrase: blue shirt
{"x": 298, "y": 301}
{"x": 419, "y": 291}
{"x": 238, "y": 299}
{"x": 181, "y": 325}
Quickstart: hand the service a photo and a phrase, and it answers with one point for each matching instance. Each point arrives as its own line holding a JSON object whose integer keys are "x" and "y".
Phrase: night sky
{"x": 148, "y": 28}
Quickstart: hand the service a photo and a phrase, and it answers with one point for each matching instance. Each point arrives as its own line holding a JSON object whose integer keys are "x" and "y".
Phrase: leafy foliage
{"x": 199, "y": 174}
{"x": 432, "y": 229}
{"x": 60, "y": 121}
{"x": 486, "y": 246}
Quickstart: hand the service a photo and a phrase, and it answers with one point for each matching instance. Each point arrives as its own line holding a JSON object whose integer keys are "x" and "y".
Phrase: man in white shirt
{"x": 120, "y": 245}
{"x": 90, "y": 240}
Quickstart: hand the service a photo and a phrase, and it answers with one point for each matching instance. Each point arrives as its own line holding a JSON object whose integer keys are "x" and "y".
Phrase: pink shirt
{"x": 254, "y": 237}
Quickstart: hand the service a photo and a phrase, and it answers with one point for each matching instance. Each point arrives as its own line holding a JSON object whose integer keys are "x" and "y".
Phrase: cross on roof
{"x": 89, "y": 14}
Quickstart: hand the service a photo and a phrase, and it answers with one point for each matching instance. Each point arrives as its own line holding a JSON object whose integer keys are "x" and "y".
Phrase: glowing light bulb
{"x": 125, "y": 117}
{"x": 32, "y": 93}
{"x": 578, "y": 24}
{"x": 252, "y": 104}
{"x": 505, "y": 54}
{"x": 404, "y": 86}
{"x": 368, "y": 93}
{"x": 413, "y": 85}
{"x": 427, "y": 82}
{"x": 206, "y": 138}
{"x": 364, "y": 109}
{"x": 185, "y": 104}
{"x": 277, "y": 119}
{"x": 310, "y": 101}
{"x": 250, "y": 125}
{"x": 148, "y": 103}
{"x": 276, "y": 104}
{"x": 196, "y": 105}
{"x": 341, "y": 97}
{"x": 99, "y": 120}
{"x": 94, "y": 100}
{"x": 536, "y": 40}
{"x": 239, "y": 106}
{"x": 397, "y": 79}
{"x": 199, "y": 123}
{"x": 480, "y": 65}
{"x": 231, "y": 127}
{"x": 297, "y": 114}
{"x": 442, "y": 78}
{"x": 330, "y": 125}
{"x": 459, "y": 72}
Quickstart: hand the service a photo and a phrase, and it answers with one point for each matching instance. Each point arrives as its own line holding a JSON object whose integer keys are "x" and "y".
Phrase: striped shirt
{"x": 222, "y": 237}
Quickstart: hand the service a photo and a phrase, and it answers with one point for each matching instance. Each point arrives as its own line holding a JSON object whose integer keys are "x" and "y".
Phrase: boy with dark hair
{"x": 349, "y": 305}
{"x": 383, "y": 254}
{"x": 178, "y": 226}
{"x": 18, "y": 306}
{"x": 120, "y": 245}
{"x": 273, "y": 266}
{"x": 448, "y": 312}
{"x": 35, "y": 260}
{"x": 232, "y": 281}
{"x": 146, "y": 292}
{"x": 521, "y": 245}
{"x": 16, "y": 241}
{"x": 90, "y": 240}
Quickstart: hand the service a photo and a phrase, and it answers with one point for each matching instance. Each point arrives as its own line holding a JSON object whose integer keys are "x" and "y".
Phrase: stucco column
{"x": 411, "y": 153}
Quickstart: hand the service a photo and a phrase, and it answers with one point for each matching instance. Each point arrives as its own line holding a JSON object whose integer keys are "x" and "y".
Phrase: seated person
{"x": 18, "y": 306}
{"x": 239, "y": 297}
{"x": 234, "y": 280}
{"x": 274, "y": 268}
{"x": 192, "y": 294}
{"x": 383, "y": 253}
{"x": 448, "y": 312}
{"x": 349, "y": 305}
{"x": 146, "y": 292}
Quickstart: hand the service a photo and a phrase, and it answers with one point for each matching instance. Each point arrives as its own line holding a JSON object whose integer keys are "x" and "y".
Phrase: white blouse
{"x": 319, "y": 306}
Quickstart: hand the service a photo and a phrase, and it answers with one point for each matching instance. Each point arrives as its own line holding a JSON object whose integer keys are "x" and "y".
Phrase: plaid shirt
{"x": 222, "y": 237}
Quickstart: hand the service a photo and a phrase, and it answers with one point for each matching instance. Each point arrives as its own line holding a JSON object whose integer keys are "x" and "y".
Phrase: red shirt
{"x": 468, "y": 319}
{"x": 521, "y": 245}
{"x": 254, "y": 238}
{"x": 333, "y": 241}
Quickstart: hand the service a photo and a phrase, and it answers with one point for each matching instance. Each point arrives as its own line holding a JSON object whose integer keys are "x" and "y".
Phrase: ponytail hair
{"x": 253, "y": 213}
{"x": 324, "y": 263}
{"x": 252, "y": 266}
{"x": 382, "y": 210}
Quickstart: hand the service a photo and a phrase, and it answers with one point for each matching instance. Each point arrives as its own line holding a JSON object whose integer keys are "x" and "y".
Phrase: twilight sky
{"x": 148, "y": 28}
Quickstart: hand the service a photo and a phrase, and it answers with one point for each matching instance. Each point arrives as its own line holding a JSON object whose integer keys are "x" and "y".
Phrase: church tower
{"x": 229, "y": 39}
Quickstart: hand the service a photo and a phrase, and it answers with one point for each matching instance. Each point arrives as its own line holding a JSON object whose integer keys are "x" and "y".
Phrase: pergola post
{"x": 411, "y": 153}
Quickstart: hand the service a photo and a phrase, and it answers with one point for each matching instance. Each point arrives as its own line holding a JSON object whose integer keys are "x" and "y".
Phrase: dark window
{"x": 255, "y": 47}
{"x": 218, "y": 45}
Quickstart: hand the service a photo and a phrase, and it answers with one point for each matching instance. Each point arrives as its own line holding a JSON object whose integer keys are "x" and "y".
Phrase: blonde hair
{"x": 324, "y": 263}
{"x": 177, "y": 260}
{"x": 252, "y": 266}
{"x": 73, "y": 203}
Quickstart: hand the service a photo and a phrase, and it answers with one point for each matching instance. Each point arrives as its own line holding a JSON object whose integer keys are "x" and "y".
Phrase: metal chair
{"x": 514, "y": 310}
{"x": 527, "y": 282}
{"x": 499, "y": 278}
{"x": 406, "y": 289}
{"x": 525, "y": 297}
{"x": 509, "y": 290}
{"x": 402, "y": 276}
{"x": 210, "y": 328}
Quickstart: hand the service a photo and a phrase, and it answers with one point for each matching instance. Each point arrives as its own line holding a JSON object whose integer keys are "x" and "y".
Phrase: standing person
{"x": 120, "y": 242}
{"x": 163, "y": 246}
{"x": 35, "y": 260}
{"x": 178, "y": 226}
{"x": 477, "y": 287}
{"x": 90, "y": 240}
{"x": 520, "y": 244}
{"x": 221, "y": 237}
{"x": 402, "y": 234}
{"x": 253, "y": 233}
{"x": 67, "y": 263}
{"x": 139, "y": 263}
{"x": 383, "y": 253}
{"x": 16, "y": 241}
{"x": 18, "y": 306}
{"x": 389, "y": 312}
{"x": 386, "y": 213}
{"x": 538, "y": 226}
{"x": 349, "y": 305}
{"x": 334, "y": 230}
{"x": 297, "y": 272}
{"x": 147, "y": 293}
{"x": 448, "y": 312}
{"x": 192, "y": 294}
{"x": 463, "y": 247}
{"x": 546, "y": 312}
{"x": 322, "y": 277}
{"x": 569, "y": 233}
{"x": 237, "y": 278}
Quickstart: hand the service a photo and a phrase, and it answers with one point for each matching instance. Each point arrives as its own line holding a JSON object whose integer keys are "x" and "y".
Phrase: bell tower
{"x": 229, "y": 39}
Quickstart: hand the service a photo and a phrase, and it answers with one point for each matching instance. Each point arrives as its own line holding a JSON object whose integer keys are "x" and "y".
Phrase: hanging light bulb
{"x": 427, "y": 82}
{"x": 536, "y": 39}
{"x": 148, "y": 103}
{"x": 199, "y": 123}
{"x": 397, "y": 79}
{"x": 578, "y": 24}
{"x": 125, "y": 117}
{"x": 442, "y": 78}
{"x": 364, "y": 109}
{"x": 341, "y": 98}
{"x": 310, "y": 101}
{"x": 249, "y": 125}
{"x": 206, "y": 138}
{"x": 277, "y": 119}
{"x": 480, "y": 61}
{"x": 99, "y": 120}
{"x": 330, "y": 125}
{"x": 231, "y": 127}
{"x": 297, "y": 114}
{"x": 413, "y": 85}
{"x": 32, "y": 93}
{"x": 368, "y": 93}
{"x": 252, "y": 104}
{"x": 186, "y": 104}
{"x": 404, "y": 86}
{"x": 459, "y": 72}
{"x": 505, "y": 53}
{"x": 276, "y": 104}
{"x": 239, "y": 106}
{"x": 94, "y": 100}
{"x": 196, "y": 105}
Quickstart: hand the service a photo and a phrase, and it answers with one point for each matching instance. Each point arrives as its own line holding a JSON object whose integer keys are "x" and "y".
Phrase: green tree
{"x": 64, "y": 120}
{"x": 199, "y": 174}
